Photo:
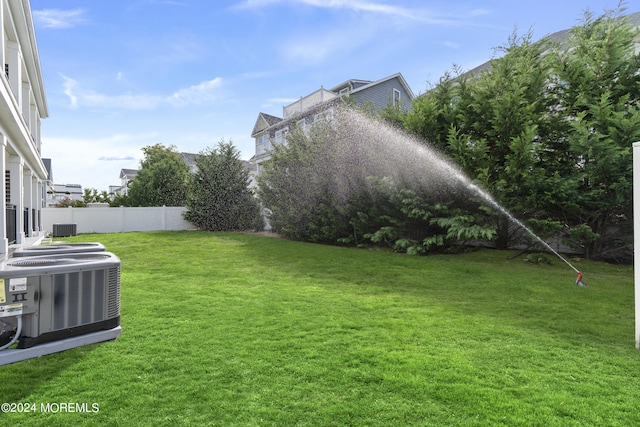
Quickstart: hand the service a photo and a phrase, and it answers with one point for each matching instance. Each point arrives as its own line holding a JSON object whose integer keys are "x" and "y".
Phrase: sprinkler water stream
{"x": 358, "y": 146}
{"x": 487, "y": 197}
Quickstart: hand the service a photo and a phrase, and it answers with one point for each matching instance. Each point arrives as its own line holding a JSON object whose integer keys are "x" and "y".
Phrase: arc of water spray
{"x": 487, "y": 197}
{"x": 379, "y": 153}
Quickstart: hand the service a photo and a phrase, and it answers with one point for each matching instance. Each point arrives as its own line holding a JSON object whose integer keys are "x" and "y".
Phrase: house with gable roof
{"x": 270, "y": 130}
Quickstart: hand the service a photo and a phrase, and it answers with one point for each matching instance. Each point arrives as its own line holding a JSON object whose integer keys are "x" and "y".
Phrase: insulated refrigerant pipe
{"x": 16, "y": 336}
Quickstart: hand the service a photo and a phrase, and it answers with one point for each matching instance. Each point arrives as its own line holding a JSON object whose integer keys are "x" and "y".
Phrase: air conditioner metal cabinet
{"x": 66, "y": 295}
{"x": 64, "y": 230}
{"x": 58, "y": 248}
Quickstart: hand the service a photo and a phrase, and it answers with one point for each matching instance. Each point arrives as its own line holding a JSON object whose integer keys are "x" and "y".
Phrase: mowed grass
{"x": 227, "y": 329}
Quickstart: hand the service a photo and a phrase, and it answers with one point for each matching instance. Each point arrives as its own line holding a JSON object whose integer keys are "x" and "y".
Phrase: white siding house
{"x": 22, "y": 107}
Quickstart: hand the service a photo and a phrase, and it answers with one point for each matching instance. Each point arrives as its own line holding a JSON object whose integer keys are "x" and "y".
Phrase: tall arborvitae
{"x": 598, "y": 90}
{"x": 219, "y": 198}
{"x": 547, "y": 130}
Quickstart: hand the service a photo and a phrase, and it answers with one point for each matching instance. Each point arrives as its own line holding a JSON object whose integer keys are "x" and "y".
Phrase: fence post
{"x": 164, "y": 218}
{"x": 636, "y": 236}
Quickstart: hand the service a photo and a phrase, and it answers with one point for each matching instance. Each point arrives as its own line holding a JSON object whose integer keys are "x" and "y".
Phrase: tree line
{"x": 216, "y": 195}
{"x": 546, "y": 129}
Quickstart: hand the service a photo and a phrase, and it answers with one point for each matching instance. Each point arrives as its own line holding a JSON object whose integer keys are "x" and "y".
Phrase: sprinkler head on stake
{"x": 579, "y": 281}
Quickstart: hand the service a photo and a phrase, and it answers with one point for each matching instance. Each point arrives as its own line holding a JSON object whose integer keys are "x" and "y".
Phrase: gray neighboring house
{"x": 271, "y": 130}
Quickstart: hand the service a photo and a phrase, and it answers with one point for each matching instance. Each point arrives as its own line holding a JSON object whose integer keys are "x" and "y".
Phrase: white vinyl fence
{"x": 116, "y": 220}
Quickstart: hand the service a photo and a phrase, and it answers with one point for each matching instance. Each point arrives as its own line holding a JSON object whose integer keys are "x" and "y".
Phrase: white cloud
{"x": 115, "y": 158}
{"x": 282, "y": 100}
{"x": 364, "y": 6}
{"x": 254, "y": 4}
{"x": 422, "y": 15}
{"x": 202, "y": 93}
{"x": 57, "y": 18}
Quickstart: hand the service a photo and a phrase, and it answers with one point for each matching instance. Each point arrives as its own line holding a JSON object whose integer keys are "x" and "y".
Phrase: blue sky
{"x": 124, "y": 74}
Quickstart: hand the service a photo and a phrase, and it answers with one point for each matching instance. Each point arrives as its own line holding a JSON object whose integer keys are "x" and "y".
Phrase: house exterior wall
{"x": 22, "y": 107}
{"x": 381, "y": 95}
{"x": 59, "y": 192}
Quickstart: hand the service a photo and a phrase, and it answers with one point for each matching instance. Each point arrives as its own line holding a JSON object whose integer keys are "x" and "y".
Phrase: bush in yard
{"x": 161, "y": 180}
{"x": 219, "y": 198}
{"x": 333, "y": 184}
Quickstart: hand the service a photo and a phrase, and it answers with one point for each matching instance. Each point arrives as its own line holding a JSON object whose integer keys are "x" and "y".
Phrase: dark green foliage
{"x": 296, "y": 187}
{"x": 489, "y": 124}
{"x": 598, "y": 89}
{"x": 91, "y": 195}
{"x": 333, "y": 185}
{"x": 547, "y": 130}
{"x": 120, "y": 200}
{"x": 219, "y": 199}
{"x": 161, "y": 180}
{"x": 433, "y": 113}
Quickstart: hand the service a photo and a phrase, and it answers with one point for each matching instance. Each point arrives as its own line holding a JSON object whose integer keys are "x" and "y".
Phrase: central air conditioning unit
{"x": 58, "y": 248}
{"x": 64, "y": 230}
{"x": 56, "y": 302}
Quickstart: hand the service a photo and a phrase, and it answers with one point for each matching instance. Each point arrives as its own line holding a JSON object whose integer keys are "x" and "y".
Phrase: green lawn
{"x": 230, "y": 329}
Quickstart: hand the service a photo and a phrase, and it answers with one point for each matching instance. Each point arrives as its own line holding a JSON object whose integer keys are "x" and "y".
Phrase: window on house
{"x": 396, "y": 97}
{"x": 281, "y": 136}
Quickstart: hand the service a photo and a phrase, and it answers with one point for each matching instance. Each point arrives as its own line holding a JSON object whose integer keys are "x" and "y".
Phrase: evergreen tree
{"x": 91, "y": 195}
{"x": 490, "y": 125}
{"x": 547, "y": 130}
{"x": 597, "y": 92}
{"x": 161, "y": 180}
{"x": 219, "y": 198}
{"x": 296, "y": 186}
